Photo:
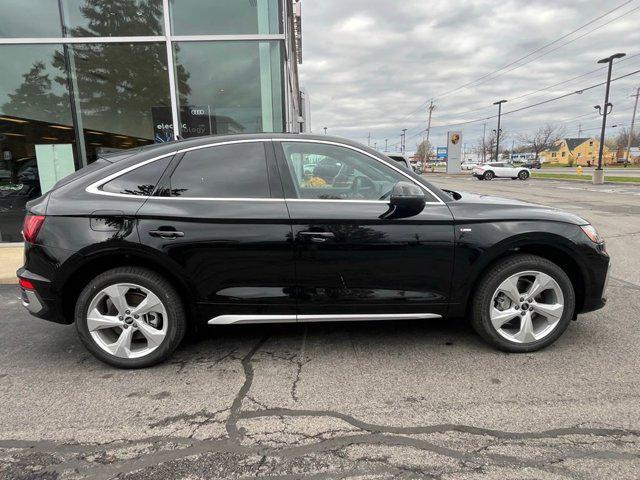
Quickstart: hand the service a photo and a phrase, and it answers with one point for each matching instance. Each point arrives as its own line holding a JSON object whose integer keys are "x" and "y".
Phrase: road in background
{"x": 361, "y": 400}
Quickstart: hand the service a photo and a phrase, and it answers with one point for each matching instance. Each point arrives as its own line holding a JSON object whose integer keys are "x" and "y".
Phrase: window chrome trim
{"x": 257, "y": 319}
{"x": 94, "y": 188}
{"x": 142, "y": 39}
{"x": 359, "y": 150}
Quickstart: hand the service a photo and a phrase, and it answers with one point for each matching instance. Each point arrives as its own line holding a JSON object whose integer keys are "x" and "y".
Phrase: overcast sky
{"x": 372, "y": 65}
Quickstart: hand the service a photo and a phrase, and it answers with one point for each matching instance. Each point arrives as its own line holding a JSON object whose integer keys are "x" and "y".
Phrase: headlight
{"x": 592, "y": 233}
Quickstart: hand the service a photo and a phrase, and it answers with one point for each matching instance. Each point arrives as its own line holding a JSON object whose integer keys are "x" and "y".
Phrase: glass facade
{"x": 84, "y": 77}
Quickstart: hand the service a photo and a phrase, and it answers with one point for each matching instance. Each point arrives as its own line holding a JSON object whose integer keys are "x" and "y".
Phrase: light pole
{"x": 403, "y": 139}
{"x": 633, "y": 124}
{"x": 598, "y": 175}
{"x": 498, "y": 130}
{"x": 386, "y": 144}
{"x": 325, "y": 130}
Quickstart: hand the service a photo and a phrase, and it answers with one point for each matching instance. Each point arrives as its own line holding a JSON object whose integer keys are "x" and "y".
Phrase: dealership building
{"x": 81, "y": 78}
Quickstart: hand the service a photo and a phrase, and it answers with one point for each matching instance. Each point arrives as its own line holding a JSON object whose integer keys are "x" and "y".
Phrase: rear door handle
{"x": 317, "y": 237}
{"x": 166, "y": 234}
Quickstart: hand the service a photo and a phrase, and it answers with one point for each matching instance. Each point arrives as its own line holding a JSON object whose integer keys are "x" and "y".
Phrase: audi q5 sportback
{"x": 140, "y": 247}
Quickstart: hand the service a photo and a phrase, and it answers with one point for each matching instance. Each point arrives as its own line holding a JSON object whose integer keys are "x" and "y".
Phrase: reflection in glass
{"x": 29, "y": 18}
{"x": 118, "y": 86}
{"x": 34, "y": 113}
{"x": 225, "y": 17}
{"x": 141, "y": 181}
{"x": 100, "y": 18}
{"x": 229, "y": 87}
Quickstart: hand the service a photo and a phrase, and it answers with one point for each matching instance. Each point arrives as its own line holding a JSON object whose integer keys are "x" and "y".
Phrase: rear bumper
{"x": 37, "y": 301}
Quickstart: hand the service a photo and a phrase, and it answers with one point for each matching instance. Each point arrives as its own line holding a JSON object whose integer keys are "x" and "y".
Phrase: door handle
{"x": 166, "y": 234}
{"x": 317, "y": 237}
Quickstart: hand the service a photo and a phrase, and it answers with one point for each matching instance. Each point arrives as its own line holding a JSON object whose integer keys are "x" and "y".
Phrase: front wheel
{"x": 130, "y": 317}
{"x": 523, "y": 304}
{"x": 523, "y": 175}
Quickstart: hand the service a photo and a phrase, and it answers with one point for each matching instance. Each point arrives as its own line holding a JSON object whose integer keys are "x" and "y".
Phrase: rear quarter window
{"x": 141, "y": 181}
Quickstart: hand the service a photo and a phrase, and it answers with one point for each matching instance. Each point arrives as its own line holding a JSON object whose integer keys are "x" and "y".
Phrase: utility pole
{"x": 386, "y": 144}
{"x": 403, "y": 140}
{"x": 432, "y": 107}
{"x": 499, "y": 130}
{"x": 325, "y": 130}
{"x": 484, "y": 143}
{"x": 580, "y": 131}
{"x": 369, "y": 140}
{"x": 633, "y": 124}
{"x": 598, "y": 174}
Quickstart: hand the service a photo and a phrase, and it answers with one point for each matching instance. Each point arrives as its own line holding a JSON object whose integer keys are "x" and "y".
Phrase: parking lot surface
{"x": 360, "y": 400}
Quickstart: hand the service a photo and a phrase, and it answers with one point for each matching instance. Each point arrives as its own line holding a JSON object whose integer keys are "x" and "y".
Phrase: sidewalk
{"x": 10, "y": 261}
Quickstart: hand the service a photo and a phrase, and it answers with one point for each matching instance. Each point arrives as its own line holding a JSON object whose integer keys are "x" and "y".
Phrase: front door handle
{"x": 166, "y": 234}
{"x": 317, "y": 237}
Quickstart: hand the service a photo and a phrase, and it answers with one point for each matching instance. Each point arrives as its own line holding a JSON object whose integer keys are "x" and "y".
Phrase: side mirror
{"x": 407, "y": 200}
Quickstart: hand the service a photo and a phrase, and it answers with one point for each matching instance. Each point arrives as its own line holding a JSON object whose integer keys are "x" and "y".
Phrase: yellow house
{"x": 577, "y": 151}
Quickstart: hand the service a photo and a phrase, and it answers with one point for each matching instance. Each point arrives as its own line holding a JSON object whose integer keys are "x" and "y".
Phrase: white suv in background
{"x": 489, "y": 171}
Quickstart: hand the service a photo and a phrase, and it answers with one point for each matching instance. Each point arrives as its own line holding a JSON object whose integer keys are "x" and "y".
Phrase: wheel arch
{"x": 552, "y": 247}
{"x": 87, "y": 267}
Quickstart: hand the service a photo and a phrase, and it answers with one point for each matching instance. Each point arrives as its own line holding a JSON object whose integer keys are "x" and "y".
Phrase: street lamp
{"x": 325, "y": 130}
{"x": 498, "y": 130}
{"x": 598, "y": 175}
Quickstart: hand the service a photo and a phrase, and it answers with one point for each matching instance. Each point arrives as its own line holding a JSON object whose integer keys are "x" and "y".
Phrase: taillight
{"x": 26, "y": 284}
{"x": 31, "y": 227}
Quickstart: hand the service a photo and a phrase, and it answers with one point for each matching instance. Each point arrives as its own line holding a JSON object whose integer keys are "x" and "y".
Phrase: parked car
{"x": 537, "y": 164}
{"x": 135, "y": 250}
{"x": 468, "y": 166}
{"x": 489, "y": 171}
{"x": 400, "y": 159}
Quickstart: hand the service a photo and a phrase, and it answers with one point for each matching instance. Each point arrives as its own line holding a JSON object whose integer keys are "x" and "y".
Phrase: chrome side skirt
{"x": 254, "y": 319}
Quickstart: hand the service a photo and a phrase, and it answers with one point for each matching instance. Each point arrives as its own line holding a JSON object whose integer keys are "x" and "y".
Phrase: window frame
{"x": 288, "y": 183}
{"x": 275, "y": 187}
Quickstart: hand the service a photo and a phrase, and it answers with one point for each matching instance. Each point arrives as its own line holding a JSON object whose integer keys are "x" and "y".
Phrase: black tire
{"x": 489, "y": 176}
{"x": 481, "y": 303}
{"x": 177, "y": 322}
{"x": 524, "y": 175}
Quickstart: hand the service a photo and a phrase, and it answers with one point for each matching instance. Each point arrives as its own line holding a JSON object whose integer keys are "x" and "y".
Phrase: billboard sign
{"x": 454, "y": 149}
{"x": 441, "y": 153}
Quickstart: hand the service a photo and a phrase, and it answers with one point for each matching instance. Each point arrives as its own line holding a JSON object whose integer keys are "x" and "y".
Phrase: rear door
{"x": 221, "y": 220}
{"x": 351, "y": 262}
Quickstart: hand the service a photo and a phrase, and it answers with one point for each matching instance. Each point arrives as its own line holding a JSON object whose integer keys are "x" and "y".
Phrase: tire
{"x": 489, "y": 176}
{"x": 523, "y": 175}
{"x": 545, "y": 331}
{"x": 107, "y": 333}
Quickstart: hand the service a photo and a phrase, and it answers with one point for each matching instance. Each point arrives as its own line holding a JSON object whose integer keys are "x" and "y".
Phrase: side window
{"x": 226, "y": 171}
{"x": 141, "y": 181}
{"x": 329, "y": 172}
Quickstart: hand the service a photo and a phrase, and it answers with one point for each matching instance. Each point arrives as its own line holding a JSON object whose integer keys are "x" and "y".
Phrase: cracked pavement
{"x": 358, "y": 400}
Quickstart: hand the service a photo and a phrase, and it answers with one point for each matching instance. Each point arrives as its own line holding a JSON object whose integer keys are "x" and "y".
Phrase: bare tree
{"x": 542, "y": 139}
{"x": 486, "y": 147}
{"x": 425, "y": 151}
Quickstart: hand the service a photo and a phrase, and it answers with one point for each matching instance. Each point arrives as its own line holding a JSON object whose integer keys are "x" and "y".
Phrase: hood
{"x": 471, "y": 207}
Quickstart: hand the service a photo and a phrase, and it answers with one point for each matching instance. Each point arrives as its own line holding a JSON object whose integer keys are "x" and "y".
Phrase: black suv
{"x": 137, "y": 248}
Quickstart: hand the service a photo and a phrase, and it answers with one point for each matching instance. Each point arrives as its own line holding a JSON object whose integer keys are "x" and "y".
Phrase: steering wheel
{"x": 360, "y": 184}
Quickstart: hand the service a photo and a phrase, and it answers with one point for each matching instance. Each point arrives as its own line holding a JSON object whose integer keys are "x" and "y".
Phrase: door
{"x": 221, "y": 219}
{"x": 351, "y": 262}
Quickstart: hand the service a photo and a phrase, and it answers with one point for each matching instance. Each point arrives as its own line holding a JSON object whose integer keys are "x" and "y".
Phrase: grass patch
{"x": 585, "y": 178}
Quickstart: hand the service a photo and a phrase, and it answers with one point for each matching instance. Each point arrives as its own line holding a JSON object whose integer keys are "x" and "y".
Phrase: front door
{"x": 351, "y": 263}
{"x": 222, "y": 221}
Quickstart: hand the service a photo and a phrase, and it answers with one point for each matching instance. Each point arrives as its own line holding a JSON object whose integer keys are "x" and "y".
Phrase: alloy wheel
{"x": 527, "y": 307}
{"x": 127, "y": 320}
{"x": 523, "y": 175}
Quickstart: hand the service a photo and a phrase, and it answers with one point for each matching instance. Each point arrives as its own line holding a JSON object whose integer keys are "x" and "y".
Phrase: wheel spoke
{"x": 98, "y": 321}
{"x": 122, "y": 347}
{"x": 149, "y": 304}
{"x": 510, "y": 288}
{"x": 540, "y": 284}
{"x": 525, "y": 335}
{"x": 500, "y": 317}
{"x": 154, "y": 336}
{"x": 553, "y": 311}
{"x": 117, "y": 295}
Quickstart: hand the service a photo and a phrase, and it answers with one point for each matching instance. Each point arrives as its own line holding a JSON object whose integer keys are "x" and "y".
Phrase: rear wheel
{"x": 523, "y": 304}
{"x": 523, "y": 175}
{"x": 489, "y": 176}
{"x": 130, "y": 317}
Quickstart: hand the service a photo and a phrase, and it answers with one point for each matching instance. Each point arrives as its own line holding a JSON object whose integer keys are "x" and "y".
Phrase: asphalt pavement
{"x": 360, "y": 400}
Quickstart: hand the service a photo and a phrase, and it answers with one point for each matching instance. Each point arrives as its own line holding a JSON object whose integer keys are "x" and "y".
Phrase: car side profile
{"x": 140, "y": 247}
{"x": 489, "y": 171}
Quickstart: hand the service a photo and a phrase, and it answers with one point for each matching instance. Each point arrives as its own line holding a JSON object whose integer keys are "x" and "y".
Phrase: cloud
{"x": 372, "y": 65}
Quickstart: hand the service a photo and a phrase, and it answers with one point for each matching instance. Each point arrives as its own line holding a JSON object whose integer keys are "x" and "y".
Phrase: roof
{"x": 573, "y": 143}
